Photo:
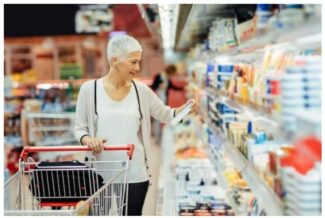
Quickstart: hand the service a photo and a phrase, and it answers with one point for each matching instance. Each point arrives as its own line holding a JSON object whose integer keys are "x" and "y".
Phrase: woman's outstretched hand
{"x": 194, "y": 109}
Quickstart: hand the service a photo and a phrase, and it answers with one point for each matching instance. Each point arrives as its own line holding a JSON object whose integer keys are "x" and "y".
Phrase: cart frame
{"x": 112, "y": 193}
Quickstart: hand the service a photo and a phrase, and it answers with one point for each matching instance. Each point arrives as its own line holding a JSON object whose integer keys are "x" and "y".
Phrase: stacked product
{"x": 274, "y": 159}
{"x": 198, "y": 188}
{"x": 301, "y": 88}
{"x": 70, "y": 71}
{"x": 238, "y": 193}
{"x": 302, "y": 177}
{"x": 222, "y": 34}
{"x": 264, "y": 103}
{"x": 226, "y": 33}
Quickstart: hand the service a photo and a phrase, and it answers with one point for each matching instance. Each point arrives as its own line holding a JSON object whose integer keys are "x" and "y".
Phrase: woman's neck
{"x": 114, "y": 80}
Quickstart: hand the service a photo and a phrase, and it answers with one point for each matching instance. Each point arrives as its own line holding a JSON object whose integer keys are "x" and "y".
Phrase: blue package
{"x": 294, "y": 6}
{"x": 223, "y": 108}
{"x": 227, "y": 68}
{"x": 264, "y": 7}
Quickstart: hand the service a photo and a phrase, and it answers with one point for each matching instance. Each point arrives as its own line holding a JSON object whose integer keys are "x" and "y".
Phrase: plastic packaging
{"x": 182, "y": 114}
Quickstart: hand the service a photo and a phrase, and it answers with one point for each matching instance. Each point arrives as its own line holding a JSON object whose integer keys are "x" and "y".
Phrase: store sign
{"x": 94, "y": 19}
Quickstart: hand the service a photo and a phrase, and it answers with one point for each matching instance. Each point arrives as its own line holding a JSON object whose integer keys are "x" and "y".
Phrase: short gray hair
{"x": 120, "y": 46}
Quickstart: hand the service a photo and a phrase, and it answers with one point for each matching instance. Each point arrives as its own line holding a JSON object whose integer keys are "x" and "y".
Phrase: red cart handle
{"x": 30, "y": 149}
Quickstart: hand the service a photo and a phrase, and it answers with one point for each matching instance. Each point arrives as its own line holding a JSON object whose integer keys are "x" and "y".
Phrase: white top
{"x": 119, "y": 123}
{"x": 151, "y": 106}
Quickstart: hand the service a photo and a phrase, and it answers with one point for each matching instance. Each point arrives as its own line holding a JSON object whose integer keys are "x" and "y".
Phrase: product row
{"x": 204, "y": 186}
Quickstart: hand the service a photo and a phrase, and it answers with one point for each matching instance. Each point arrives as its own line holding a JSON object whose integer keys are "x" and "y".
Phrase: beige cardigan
{"x": 150, "y": 105}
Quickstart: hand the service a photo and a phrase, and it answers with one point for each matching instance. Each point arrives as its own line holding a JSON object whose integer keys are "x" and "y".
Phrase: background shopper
{"x": 162, "y": 83}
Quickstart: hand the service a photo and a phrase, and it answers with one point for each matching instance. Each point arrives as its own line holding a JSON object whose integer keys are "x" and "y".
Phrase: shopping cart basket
{"x": 89, "y": 187}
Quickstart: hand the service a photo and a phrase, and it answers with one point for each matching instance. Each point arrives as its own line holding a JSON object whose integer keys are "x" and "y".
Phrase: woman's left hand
{"x": 194, "y": 109}
{"x": 195, "y": 106}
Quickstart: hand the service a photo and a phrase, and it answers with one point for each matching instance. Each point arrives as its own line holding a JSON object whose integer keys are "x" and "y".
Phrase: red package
{"x": 304, "y": 155}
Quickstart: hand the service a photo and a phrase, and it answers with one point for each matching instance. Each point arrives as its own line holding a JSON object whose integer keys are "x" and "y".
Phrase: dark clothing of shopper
{"x": 162, "y": 83}
{"x": 158, "y": 81}
{"x": 136, "y": 197}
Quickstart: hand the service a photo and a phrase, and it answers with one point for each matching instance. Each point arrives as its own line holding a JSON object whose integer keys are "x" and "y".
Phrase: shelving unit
{"x": 265, "y": 195}
{"x": 18, "y": 58}
{"x": 307, "y": 35}
{"x": 38, "y": 131}
{"x": 257, "y": 111}
{"x": 294, "y": 36}
{"x": 222, "y": 179}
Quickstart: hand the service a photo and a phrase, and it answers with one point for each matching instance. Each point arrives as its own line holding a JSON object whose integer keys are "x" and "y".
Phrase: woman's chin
{"x": 131, "y": 75}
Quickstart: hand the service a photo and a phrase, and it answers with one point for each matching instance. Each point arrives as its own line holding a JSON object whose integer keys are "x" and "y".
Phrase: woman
{"x": 117, "y": 110}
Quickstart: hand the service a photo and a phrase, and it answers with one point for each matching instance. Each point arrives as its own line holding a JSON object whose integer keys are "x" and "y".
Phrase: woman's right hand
{"x": 95, "y": 144}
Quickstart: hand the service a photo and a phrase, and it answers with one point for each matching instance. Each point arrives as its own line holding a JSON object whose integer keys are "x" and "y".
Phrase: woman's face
{"x": 129, "y": 66}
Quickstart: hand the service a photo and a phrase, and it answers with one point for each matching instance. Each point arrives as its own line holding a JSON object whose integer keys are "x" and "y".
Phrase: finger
{"x": 96, "y": 148}
{"x": 100, "y": 142}
{"x": 100, "y": 145}
{"x": 88, "y": 144}
{"x": 93, "y": 146}
{"x": 194, "y": 109}
{"x": 191, "y": 101}
{"x": 97, "y": 145}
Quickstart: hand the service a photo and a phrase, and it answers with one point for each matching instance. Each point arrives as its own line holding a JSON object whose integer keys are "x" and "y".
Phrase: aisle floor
{"x": 149, "y": 208}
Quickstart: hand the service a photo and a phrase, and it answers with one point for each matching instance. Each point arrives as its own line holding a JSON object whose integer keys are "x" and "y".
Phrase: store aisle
{"x": 149, "y": 207}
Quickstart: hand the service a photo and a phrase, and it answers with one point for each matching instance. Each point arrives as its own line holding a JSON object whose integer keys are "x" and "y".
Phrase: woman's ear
{"x": 112, "y": 61}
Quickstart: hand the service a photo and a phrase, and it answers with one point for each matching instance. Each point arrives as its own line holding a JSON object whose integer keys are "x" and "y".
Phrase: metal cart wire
{"x": 89, "y": 187}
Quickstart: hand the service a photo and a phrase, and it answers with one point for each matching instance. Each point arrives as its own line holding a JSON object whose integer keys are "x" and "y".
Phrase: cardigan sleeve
{"x": 158, "y": 109}
{"x": 81, "y": 121}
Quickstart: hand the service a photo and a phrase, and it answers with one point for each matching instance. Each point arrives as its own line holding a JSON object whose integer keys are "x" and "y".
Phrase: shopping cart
{"x": 89, "y": 187}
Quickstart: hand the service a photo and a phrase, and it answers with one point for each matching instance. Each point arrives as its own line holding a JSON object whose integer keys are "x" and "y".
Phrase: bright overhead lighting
{"x": 168, "y": 21}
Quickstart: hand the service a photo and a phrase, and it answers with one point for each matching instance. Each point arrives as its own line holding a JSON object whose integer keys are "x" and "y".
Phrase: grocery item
{"x": 182, "y": 114}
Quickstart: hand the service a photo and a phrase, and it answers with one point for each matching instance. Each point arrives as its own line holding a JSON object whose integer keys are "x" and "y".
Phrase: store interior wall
{"x": 45, "y": 60}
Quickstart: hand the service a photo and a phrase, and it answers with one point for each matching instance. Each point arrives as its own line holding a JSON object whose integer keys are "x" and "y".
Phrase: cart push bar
{"x": 31, "y": 149}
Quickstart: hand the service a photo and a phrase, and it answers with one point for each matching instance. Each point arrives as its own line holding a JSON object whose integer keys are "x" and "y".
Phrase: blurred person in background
{"x": 162, "y": 83}
{"x": 117, "y": 110}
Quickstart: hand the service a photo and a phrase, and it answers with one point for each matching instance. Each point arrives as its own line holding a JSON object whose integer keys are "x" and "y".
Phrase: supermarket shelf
{"x": 66, "y": 115}
{"x": 56, "y": 142}
{"x": 18, "y": 96}
{"x": 52, "y": 128}
{"x": 265, "y": 195}
{"x": 146, "y": 80}
{"x": 257, "y": 113}
{"x": 307, "y": 35}
{"x": 309, "y": 28}
{"x": 234, "y": 206}
{"x": 58, "y": 81}
{"x": 223, "y": 181}
{"x": 11, "y": 114}
{"x": 237, "y": 103}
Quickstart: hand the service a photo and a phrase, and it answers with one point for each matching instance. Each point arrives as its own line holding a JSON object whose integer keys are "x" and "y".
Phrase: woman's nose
{"x": 137, "y": 67}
